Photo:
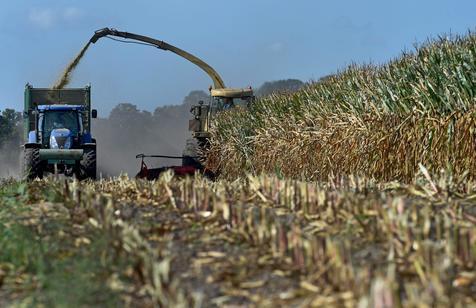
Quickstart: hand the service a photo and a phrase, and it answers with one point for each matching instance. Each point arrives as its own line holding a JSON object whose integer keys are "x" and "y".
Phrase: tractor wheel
{"x": 88, "y": 165}
{"x": 32, "y": 166}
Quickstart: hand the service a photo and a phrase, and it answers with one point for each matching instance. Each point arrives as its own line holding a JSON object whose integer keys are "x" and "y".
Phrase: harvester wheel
{"x": 32, "y": 166}
{"x": 191, "y": 154}
{"x": 88, "y": 165}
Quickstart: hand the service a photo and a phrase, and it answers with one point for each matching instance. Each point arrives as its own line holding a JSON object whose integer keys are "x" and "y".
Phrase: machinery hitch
{"x": 154, "y": 173}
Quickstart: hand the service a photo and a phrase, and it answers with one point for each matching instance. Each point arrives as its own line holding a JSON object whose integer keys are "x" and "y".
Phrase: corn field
{"x": 374, "y": 121}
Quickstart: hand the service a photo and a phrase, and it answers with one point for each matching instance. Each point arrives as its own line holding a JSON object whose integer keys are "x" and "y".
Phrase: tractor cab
{"x": 60, "y": 127}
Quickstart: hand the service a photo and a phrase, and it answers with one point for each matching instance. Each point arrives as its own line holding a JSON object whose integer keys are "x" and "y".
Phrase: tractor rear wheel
{"x": 32, "y": 166}
{"x": 88, "y": 165}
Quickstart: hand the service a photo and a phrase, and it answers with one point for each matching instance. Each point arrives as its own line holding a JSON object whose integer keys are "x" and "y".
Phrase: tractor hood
{"x": 61, "y": 139}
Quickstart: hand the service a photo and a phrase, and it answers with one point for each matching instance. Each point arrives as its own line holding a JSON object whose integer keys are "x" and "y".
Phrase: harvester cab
{"x": 58, "y": 133}
{"x": 203, "y": 114}
{"x": 220, "y": 100}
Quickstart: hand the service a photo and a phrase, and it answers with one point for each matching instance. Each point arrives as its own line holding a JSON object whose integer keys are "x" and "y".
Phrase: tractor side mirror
{"x": 94, "y": 113}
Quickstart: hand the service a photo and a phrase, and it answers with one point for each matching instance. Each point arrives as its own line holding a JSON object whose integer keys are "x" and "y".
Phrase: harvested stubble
{"x": 378, "y": 122}
{"x": 343, "y": 242}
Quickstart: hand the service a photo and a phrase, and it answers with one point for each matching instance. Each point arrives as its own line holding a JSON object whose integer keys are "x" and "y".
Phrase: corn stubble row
{"x": 347, "y": 242}
{"x": 374, "y": 121}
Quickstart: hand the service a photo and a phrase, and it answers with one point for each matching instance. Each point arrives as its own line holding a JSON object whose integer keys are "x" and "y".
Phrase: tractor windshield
{"x": 225, "y": 103}
{"x": 59, "y": 119}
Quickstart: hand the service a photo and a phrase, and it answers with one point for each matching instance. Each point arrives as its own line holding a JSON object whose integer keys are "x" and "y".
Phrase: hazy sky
{"x": 247, "y": 41}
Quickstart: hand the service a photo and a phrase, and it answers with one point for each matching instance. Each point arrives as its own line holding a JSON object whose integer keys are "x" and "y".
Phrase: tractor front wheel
{"x": 32, "y": 166}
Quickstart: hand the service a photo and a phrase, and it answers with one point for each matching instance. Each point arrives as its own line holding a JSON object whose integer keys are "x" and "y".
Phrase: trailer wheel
{"x": 88, "y": 165}
{"x": 32, "y": 166}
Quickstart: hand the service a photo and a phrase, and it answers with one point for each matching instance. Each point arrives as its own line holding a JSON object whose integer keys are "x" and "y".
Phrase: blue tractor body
{"x": 58, "y": 133}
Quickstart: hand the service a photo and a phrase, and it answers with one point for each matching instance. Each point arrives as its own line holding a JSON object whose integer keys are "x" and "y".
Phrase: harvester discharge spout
{"x": 108, "y": 32}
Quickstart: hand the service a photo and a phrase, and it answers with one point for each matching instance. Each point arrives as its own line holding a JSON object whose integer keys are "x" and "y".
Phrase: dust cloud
{"x": 118, "y": 147}
{"x": 129, "y": 131}
{"x": 10, "y": 162}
